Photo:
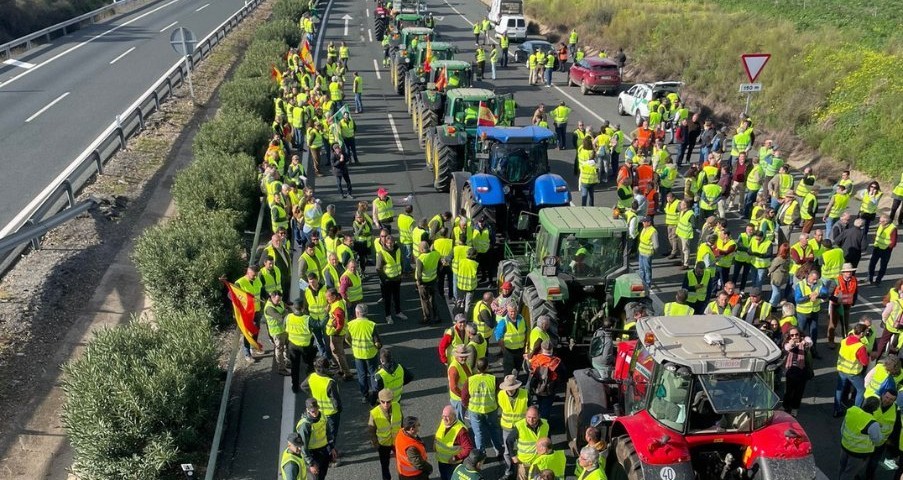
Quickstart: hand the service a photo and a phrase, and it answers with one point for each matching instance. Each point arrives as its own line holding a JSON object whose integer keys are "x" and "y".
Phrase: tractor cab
{"x": 702, "y": 389}
{"x": 437, "y": 50}
{"x": 411, "y": 7}
{"x": 456, "y": 73}
{"x": 462, "y": 107}
{"x": 513, "y": 155}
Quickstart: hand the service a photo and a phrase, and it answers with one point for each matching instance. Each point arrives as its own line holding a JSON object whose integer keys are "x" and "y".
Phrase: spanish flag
{"x": 243, "y": 306}
{"x": 307, "y": 59}
{"x": 442, "y": 79}
{"x": 277, "y": 75}
{"x": 428, "y": 58}
{"x": 485, "y": 117}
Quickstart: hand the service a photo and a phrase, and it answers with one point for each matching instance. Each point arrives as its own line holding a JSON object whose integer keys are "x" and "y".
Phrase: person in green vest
{"x": 406, "y": 224}
{"x": 481, "y": 61}
{"x": 471, "y": 468}
{"x": 572, "y": 43}
{"x": 524, "y": 437}
{"x": 870, "y": 197}
{"x": 365, "y": 344}
{"x": 548, "y": 458}
{"x": 836, "y": 207}
{"x": 317, "y": 439}
{"x": 504, "y": 42}
{"x": 511, "y": 334}
{"x": 452, "y": 442}
{"x": 493, "y": 59}
{"x": 512, "y": 401}
{"x": 686, "y": 221}
{"x": 357, "y": 88}
{"x": 426, "y": 272}
{"x": 391, "y": 375}
{"x": 274, "y": 313}
{"x": 383, "y": 426}
{"x": 883, "y": 246}
{"x": 549, "y": 67}
{"x": 679, "y": 307}
{"x": 480, "y": 399}
{"x": 292, "y": 465}
{"x": 859, "y": 434}
{"x": 300, "y": 342}
{"x": 897, "y": 196}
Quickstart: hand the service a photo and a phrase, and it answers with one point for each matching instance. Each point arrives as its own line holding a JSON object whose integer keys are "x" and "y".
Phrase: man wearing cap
{"x": 411, "y": 459}
{"x": 512, "y": 401}
{"x": 383, "y": 425}
{"x": 391, "y": 375}
{"x": 453, "y": 336}
{"x": 457, "y": 374}
{"x": 526, "y": 433}
{"x": 365, "y": 344}
{"x": 511, "y": 334}
{"x": 425, "y": 273}
{"x": 548, "y": 458}
{"x": 300, "y": 342}
{"x": 545, "y": 371}
{"x": 383, "y": 209}
{"x": 755, "y": 310}
{"x": 842, "y": 301}
{"x": 472, "y": 466}
{"x": 452, "y": 442}
{"x": 480, "y": 399}
{"x": 292, "y": 465}
{"x": 647, "y": 246}
{"x": 274, "y": 313}
{"x": 317, "y": 441}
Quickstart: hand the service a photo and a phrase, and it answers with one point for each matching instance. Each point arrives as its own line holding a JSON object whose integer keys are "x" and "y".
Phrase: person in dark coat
{"x": 854, "y": 241}
{"x": 340, "y": 169}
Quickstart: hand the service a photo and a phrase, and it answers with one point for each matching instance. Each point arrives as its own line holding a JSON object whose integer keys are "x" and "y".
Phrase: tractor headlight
{"x": 589, "y": 288}
{"x": 407, "y": 60}
{"x": 506, "y": 189}
{"x": 561, "y": 188}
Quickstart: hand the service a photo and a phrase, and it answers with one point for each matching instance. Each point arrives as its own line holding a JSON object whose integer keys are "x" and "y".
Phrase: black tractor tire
{"x": 408, "y": 91}
{"x": 415, "y": 118}
{"x": 475, "y": 210}
{"x": 427, "y": 122}
{"x": 573, "y": 409}
{"x": 445, "y": 159}
{"x": 379, "y": 29}
{"x": 509, "y": 271}
{"x": 428, "y": 151}
{"x": 535, "y": 306}
{"x": 400, "y": 71}
{"x": 625, "y": 464}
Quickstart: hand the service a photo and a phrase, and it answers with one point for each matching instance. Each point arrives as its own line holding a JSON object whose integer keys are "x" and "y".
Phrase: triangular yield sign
{"x": 753, "y": 63}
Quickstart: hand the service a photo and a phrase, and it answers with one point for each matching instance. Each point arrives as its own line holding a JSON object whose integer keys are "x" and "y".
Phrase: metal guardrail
{"x": 8, "y": 47}
{"x": 61, "y": 192}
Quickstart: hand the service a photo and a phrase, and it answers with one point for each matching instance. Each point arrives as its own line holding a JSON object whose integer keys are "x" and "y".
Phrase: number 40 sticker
{"x": 667, "y": 473}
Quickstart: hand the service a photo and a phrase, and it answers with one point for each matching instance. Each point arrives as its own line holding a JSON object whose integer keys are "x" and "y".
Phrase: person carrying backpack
{"x": 545, "y": 372}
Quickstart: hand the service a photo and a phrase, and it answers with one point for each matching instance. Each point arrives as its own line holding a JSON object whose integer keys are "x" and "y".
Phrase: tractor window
{"x": 518, "y": 162}
{"x": 585, "y": 257}
{"x": 732, "y": 402}
{"x": 641, "y": 366}
{"x": 670, "y": 397}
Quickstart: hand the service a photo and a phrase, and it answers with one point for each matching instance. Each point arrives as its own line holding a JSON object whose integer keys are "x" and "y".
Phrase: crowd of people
{"x": 782, "y": 248}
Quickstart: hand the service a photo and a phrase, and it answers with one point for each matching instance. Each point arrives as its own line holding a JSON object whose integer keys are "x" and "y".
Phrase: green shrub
{"x": 290, "y": 10}
{"x": 280, "y": 29}
{"x": 180, "y": 262}
{"x": 260, "y": 59}
{"x": 139, "y": 397}
{"x": 252, "y": 94}
{"x": 233, "y": 131}
{"x": 216, "y": 182}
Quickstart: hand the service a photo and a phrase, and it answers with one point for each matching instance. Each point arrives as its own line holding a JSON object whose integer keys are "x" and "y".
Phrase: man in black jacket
{"x": 692, "y": 130}
{"x": 340, "y": 169}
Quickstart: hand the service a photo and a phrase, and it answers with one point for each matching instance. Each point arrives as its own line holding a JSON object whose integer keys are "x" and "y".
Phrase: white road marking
{"x": 202, "y": 7}
{"x": 459, "y": 13}
{"x": 123, "y": 54}
{"x": 168, "y": 26}
{"x": 46, "y": 107}
{"x": 370, "y": 35}
{"x": 395, "y": 132}
{"x": 19, "y": 64}
{"x": 288, "y": 415}
{"x": 367, "y": 11}
{"x": 81, "y": 44}
{"x": 376, "y": 69}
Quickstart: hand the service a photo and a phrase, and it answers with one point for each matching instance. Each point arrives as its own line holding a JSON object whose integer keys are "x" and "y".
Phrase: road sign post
{"x": 753, "y": 63}
{"x": 183, "y": 42}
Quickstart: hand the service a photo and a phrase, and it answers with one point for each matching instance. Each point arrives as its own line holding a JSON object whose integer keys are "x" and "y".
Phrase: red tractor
{"x": 691, "y": 399}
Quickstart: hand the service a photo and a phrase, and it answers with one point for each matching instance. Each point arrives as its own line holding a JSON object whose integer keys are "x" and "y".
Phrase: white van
{"x": 514, "y": 26}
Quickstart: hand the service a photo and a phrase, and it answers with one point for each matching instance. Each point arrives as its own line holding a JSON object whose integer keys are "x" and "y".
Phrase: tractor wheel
{"x": 627, "y": 463}
{"x": 400, "y": 71}
{"x": 536, "y": 306}
{"x": 427, "y": 122}
{"x": 573, "y": 407}
{"x": 444, "y": 160}
{"x": 509, "y": 271}
{"x": 428, "y": 140}
{"x": 454, "y": 202}
{"x": 407, "y": 92}
{"x": 415, "y": 119}
{"x": 475, "y": 210}
{"x": 379, "y": 29}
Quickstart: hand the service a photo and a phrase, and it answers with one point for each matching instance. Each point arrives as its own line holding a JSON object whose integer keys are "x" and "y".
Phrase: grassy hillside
{"x": 831, "y": 80}
{"x": 21, "y": 17}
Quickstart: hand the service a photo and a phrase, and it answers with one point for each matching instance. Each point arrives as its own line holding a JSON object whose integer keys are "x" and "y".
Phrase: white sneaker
{"x": 401, "y": 316}
{"x": 890, "y": 464}
{"x": 389, "y": 320}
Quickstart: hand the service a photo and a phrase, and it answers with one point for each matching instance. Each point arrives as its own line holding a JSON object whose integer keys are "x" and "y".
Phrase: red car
{"x": 595, "y": 75}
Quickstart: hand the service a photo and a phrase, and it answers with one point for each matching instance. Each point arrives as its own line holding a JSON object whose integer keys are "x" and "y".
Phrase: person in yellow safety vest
{"x": 453, "y": 442}
{"x": 705, "y": 254}
{"x": 391, "y": 375}
{"x": 679, "y": 307}
{"x": 274, "y": 313}
{"x": 755, "y": 310}
{"x": 572, "y": 43}
{"x": 809, "y": 209}
{"x": 512, "y": 401}
{"x": 504, "y": 42}
{"x": 525, "y": 435}
{"x": 549, "y": 68}
{"x": 457, "y": 374}
{"x": 805, "y": 183}
{"x": 685, "y": 231}
{"x": 897, "y": 195}
{"x": 719, "y": 306}
{"x": 780, "y": 185}
{"x": 332, "y": 272}
{"x": 336, "y": 330}
{"x": 388, "y": 267}
{"x": 480, "y": 399}
{"x": 788, "y": 316}
{"x": 832, "y": 260}
{"x": 425, "y": 274}
{"x": 801, "y": 253}
{"x": 477, "y": 30}
{"x": 477, "y": 344}
{"x": 696, "y": 283}
{"x": 887, "y": 416}
{"x": 859, "y": 434}
{"x": 300, "y": 342}
{"x": 250, "y": 283}
{"x": 892, "y": 319}
{"x": 560, "y": 116}
{"x": 835, "y": 208}
{"x": 271, "y": 276}
{"x": 886, "y": 374}
{"x": 292, "y": 465}
{"x": 350, "y": 284}
{"x": 809, "y": 295}
{"x": 885, "y": 241}
{"x": 590, "y": 464}
{"x": 725, "y": 247}
{"x": 531, "y": 64}
{"x": 511, "y": 333}
{"x": 466, "y": 280}
{"x": 406, "y": 223}
{"x": 438, "y": 222}
{"x": 742, "y": 141}
{"x": 418, "y": 234}
{"x": 445, "y": 246}
{"x": 383, "y": 209}
{"x": 788, "y": 215}
{"x": 317, "y": 304}
{"x": 319, "y": 424}
{"x": 483, "y": 317}
{"x": 309, "y": 262}
{"x": 742, "y": 258}
{"x": 672, "y": 219}
{"x": 383, "y": 426}
{"x": 869, "y": 198}
{"x": 344, "y": 54}
{"x": 365, "y": 344}
{"x": 539, "y": 334}
{"x": 480, "y": 56}
{"x": 589, "y": 172}
{"x": 647, "y": 245}
{"x": 547, "y": 459}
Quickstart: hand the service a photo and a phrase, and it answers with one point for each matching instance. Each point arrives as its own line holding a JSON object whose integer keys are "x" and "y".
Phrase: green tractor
{"x": 402, "y": 55}
{"x": 416, "y": 77}
{"x": 574, "y": 271}
{"x": 451, "y": 146}
{"x": 429, "y": 102}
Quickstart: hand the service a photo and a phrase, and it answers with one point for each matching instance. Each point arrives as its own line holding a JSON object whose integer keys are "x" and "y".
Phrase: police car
{"x": 635, "y": 101}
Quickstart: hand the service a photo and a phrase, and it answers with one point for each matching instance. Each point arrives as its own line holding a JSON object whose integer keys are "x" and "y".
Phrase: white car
{"x": 635, "y": 101}
{"x": 514, "y": 26}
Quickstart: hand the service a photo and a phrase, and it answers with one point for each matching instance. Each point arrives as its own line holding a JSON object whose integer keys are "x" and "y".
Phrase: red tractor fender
{"x": 784, "y": 438}
{"x": 655, "y": 443}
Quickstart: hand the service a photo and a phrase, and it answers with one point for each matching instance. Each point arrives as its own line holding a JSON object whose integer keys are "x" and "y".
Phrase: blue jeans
{"x": 829, "y": 225}
{"x": 645, "y": 270}
{"x": 406, "y": 257}
{"x": 548, "y": 73}
{"x": 454, "y": 285}
{"x": 703, "y": 154}
{"x": 486, "y": 430}
{"x": 808, "y": 325}
{"x": 358, "y": 104}
{"x": 587, "y": 195}
{"x": 317, "y": 329}
{"x": 365, "y": 371}
{"x": 856, "y": 381}
{"x": 298, "y": 136}
{"x": 759, "y": 277}
{"x": 459, "y": 408}
{"x": 748, "y": 201}
{"x": 777, "y": 294}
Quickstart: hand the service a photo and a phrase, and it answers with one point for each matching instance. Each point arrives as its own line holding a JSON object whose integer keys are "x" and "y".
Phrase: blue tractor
{"x": 509, "y": 174}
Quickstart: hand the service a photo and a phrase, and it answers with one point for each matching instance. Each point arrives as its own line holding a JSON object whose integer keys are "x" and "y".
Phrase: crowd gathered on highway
{"x": 677, "y": 175}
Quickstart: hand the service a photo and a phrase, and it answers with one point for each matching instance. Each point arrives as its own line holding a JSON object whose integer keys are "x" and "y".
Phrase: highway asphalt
{"x": 262, "y": 407}
{"x": 78, "y": 84}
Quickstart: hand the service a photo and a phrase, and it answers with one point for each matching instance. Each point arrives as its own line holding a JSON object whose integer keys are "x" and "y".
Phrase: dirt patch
{"x": 43, "y": 297}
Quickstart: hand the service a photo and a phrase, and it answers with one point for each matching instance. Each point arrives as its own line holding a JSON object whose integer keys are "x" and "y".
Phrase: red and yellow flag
{"x": 442, "y": 79}
{"x": 428, "y": 58}
{"x": 276, "y": 74}
{"x": 485, "y": 117}
{"x": 307, "y": 58}
{"x": 243, "y": 306}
